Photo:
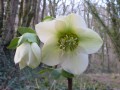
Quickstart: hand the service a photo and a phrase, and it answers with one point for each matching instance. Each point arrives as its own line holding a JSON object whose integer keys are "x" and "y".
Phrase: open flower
{"x": 28, "y": 54}
{"x": 68, "y": 41}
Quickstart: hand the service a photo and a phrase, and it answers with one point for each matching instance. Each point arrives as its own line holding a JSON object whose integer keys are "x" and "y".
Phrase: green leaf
{"x": 28, "y": 37}
{"x": 13, "y": 43}
{"x": 45, "y": 70}
{"x": 56, "y": 73}
{"x": 48, "y": 18}
{"x": 67, "y": 74}
{"x": 23, "y": 30}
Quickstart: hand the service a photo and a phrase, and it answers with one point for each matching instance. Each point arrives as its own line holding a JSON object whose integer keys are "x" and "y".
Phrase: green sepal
{"x": 23, "y": 30}
{"x": 13, "y": 44}
{"x": 67, "y": 74}
{"x": 48, "y": 18}
{"x": 56, "y": 73}
{"x": 28, "y": 37}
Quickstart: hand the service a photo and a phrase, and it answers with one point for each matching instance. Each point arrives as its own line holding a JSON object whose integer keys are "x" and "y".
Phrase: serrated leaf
{"x": 48, "y": 18}
{"x": 13, "y": 43}
{"x": 67, "y": 74}
{"x": 56, "y": 73}
{"x": 28, "y": 37}
{"x": 23, "y": 30}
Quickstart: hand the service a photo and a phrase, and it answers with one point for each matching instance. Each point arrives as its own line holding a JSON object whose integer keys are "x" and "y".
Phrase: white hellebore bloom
{"x": 67, "y": 42}
{"x": 28, "y": 54}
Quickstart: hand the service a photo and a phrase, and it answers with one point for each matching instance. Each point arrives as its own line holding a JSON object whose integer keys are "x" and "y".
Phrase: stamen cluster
{"x": 68, "y": 42}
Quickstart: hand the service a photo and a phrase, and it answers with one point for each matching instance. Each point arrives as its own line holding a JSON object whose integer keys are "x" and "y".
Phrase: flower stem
{"x": 69, "y": 83}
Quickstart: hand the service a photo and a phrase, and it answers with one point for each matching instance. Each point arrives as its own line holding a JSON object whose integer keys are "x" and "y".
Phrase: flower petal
{"x": 60, "y": 25}
{"x": 76, "y": 20}
{"x": 75, "y": 63}
{"x": 73, "y": 21}
{"x": 23, "y": 64}
{"x": 34, "y": 56}
{"x": 21, "y": 52}
{"x": 36, "y": 50}
{"x": 90, "y": 41}
{"x": 51, "y": 53}
{"x": 32, "y": 62}
{"x": 45, "y": 30}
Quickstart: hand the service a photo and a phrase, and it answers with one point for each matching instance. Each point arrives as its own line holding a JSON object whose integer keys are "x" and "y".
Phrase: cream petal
{"x": 76, "y": 21}
{"x": 34, "y": 56}
{"x": 17, "y": 57}
{"x": 32, "y": 62}
{"x": 45, "y": 30}
{"x": 21, "y": 52}
{"x": 75, "y": 63}
{"x": 60, "y": 25}
{"x": 37, "y": 51}
{"x": 90, "y": 41}
{"x": 23, "y": 62}
{"x": 51, "y": 53}
{"x": 61, "y": 18}
{"x": 73, "y": 21}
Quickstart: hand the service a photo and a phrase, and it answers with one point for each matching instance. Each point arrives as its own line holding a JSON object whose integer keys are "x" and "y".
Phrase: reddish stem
{"x": 69, "y": 83}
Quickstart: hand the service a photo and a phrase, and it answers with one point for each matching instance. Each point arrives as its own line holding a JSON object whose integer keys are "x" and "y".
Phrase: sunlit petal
{"x": 32, "y": 62}
{"x": 36, "y": 50}
{"x": 51, "y": 53}
{"x": 60, "y": 25}
{"x": 90, "y": 41}
{"x": 73, "y": 21}
{"x": 76, "y": 63}
{"x": 23, "y": 62}
{"x": 45, "y": 30}
{"x": 21, "y": 52}
{"x": 34, "y": 56}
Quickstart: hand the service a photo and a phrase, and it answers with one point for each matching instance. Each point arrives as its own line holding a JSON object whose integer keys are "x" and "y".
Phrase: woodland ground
{"x": 84, "y": 82}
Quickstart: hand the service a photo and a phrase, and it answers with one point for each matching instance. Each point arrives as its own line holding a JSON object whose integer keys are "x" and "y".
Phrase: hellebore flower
{"x": 28, "y": 54}
{"x": 67, "y": 42}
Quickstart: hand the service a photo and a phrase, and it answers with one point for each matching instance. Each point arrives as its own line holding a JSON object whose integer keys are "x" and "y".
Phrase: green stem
{"x": 69, "y": 83}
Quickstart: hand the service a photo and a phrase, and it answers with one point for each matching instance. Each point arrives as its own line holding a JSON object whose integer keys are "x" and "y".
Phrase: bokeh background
{"x": 103, "y": 16}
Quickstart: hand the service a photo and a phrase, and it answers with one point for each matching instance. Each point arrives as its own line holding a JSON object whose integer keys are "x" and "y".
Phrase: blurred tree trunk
{"x": 10, "y": 18}
{"x": 27, "y": 12}
{"x": 113, "y": 16}
{"x": 9, "y": 21}
{"x": 107, "y": 53}
{"x": 36, "y": 16}
{"x": 43, "y": 9}
{"x": 1, "y": 15}
{"x": 53, "y": 7}
{"x": 8, "y": 14}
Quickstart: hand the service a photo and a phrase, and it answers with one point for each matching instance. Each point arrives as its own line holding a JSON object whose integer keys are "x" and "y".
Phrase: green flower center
{"x": 68, "y": 41}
